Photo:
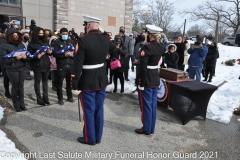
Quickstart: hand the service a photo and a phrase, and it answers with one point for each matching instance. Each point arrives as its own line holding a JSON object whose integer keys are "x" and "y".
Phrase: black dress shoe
{"x": 18, "y": 110}
{"x": 8, "y": 95}
{"x": 70, "y": 100}
{"x": 23, "y": 108}
{"x": 98, "y": 142}
{"x": 81, "y": 140}
{"x": 139, "y": 131}
{"x": 54, "y": 88}
{"x": 209, "y": 80}
{"x": 48, "y": 103}
{"x": 204, "y": 80}
{"x": 126, "y": 79}
{"x": 41, "y": 103}
{"x": 60, "y": 102}
{"x": 115, "y": 90}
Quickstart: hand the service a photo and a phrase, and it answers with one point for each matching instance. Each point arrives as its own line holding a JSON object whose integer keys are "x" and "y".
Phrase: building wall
{"x": 112, "y": 12}
{"x": 41, "y": 11}
{"x": 55, "y": 14}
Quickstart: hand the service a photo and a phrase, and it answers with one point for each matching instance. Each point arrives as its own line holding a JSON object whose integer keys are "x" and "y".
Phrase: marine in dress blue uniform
{"x": 149, "y": 80}
{"x": 89, "y": 75}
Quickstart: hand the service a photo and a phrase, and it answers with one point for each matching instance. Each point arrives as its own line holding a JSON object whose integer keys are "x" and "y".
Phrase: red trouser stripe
{"x": 84, "y": 118}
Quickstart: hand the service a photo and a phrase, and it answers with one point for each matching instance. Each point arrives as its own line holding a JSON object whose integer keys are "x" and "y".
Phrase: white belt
{"x": 93, "y": 66}
{"x": 152, "y": 67}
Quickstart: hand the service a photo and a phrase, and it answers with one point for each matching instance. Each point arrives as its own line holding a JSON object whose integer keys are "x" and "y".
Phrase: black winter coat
{"x": 42, "y": 64}
{"x": 211, "y": 58}
{"x": 11, "y": 64}
{"x": 62, "y": 61}
{"x": 115, "y": 55}
{"x": 171, "y": 59}
{"x": 180, "y": 50}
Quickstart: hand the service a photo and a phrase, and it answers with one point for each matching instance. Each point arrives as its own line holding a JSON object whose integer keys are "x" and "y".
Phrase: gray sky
{"x": 182, "y": 5}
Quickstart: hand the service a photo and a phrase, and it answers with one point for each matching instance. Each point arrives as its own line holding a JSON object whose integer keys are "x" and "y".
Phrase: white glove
{"x": 140, "y": 88}
{"x": 76, "y": 92}
{"x": 101, "y": 29}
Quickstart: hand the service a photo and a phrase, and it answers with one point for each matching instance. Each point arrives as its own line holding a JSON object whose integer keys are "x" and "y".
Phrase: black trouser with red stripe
{"x": 148, "y": 105}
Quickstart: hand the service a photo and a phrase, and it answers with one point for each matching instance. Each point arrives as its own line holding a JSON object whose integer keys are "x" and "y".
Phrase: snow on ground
{"x": 225, "y": 99}
{"x": 8, "y": 150}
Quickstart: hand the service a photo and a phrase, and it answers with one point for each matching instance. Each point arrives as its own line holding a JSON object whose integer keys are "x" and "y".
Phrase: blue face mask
{"x": 64, "y": 37}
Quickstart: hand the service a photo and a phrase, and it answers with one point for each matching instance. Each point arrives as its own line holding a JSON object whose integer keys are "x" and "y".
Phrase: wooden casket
{"x": 173, "y": 74}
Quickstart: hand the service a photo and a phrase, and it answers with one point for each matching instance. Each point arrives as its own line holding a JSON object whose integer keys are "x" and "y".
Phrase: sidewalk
{"x": 51, "y": 132}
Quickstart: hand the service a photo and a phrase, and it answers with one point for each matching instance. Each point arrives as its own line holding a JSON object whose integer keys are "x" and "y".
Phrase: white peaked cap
{"x": 91, "y": 19}
{"x": 153, "y": 29}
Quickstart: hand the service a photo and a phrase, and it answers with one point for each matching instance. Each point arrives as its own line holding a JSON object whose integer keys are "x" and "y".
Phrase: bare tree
{"x": 210, "y": 12}
{"x": 196, "y": 30}
{"x": 157, "y": 12}
{"x": 231, "y": 16}
{"x": 162, "y": 13}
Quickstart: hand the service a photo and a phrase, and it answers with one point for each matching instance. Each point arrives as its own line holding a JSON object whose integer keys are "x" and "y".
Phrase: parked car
{"x": 193, "y": 38}
{"x": 229, "y": 41}
{"x": 237, "y": 40}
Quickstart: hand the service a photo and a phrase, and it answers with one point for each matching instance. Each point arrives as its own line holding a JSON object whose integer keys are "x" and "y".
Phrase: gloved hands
{"x": 140, "y": 88}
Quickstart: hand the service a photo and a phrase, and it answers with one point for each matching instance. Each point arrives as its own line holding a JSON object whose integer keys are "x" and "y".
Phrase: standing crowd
{"x": 90, "y": 67}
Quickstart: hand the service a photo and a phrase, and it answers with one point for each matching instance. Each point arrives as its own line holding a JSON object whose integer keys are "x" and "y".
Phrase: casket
{"x": 173, "y": 74}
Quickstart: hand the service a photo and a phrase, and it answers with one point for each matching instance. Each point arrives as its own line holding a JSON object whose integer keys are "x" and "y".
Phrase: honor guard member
{"x": 149, "y": 79}
{"x": 89, "y": 75}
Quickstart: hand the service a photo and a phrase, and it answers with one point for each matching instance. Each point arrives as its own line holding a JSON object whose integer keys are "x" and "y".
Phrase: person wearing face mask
{"x": 171, "y": 56}
{"x": 130, "y": 56}
{"x": 64, "y": 65}
{"x": 210, "y": 61}
{"x": 148, "y": 80}
{"x": 127, "y": 44}
{"x": 119, "y": 53}
{"x": 27, "y": 29}
{"x": 25, "y": 43}
{"x": 40, "y": 65}
{"x": 15, "y": 67}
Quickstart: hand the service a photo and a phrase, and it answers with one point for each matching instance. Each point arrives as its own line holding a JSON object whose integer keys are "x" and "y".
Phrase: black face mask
{"x": 118, "y": 43}
{"x": 212, "y": 47}
{"x": 148, "y": 38}
{"x": 26, "y": 38}
{"x": 122, "y": 31}
{"x": 41, "y": 38}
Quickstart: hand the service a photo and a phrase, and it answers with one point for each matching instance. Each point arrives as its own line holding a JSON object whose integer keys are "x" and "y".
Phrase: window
{"x": 14, "y": 2}
{"x": 3, "y": 1}
{"x": 11, "y": 2}
{"x": 111, "y": 21}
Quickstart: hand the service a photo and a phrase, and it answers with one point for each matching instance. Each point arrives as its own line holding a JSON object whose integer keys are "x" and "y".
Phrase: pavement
{"x": 51, "y": 132}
